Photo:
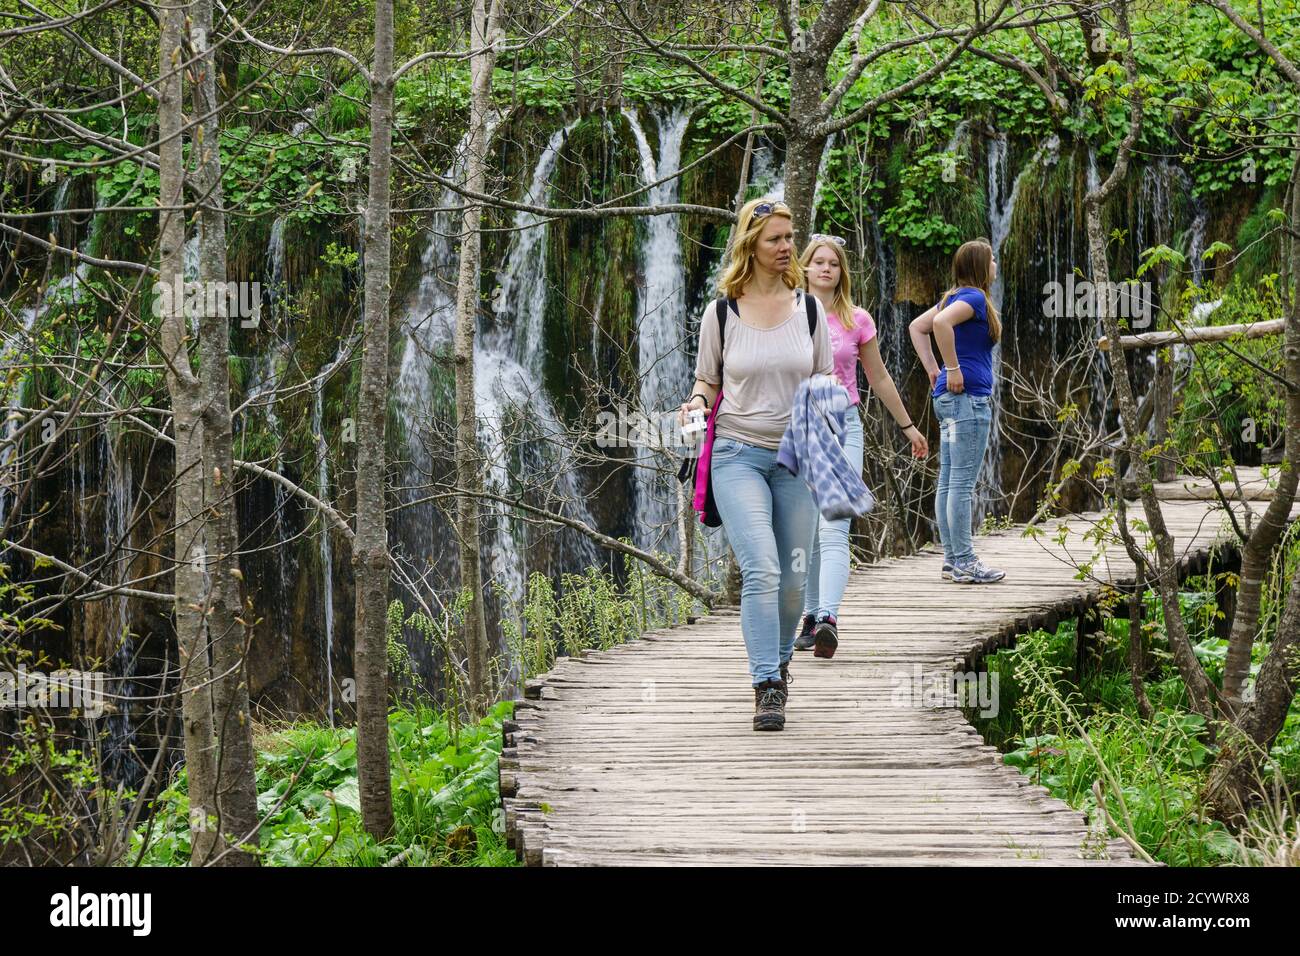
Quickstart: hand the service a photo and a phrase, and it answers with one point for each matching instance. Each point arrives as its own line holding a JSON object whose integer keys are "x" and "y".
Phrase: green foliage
{"x": 1228, "y": 408}
{"x": 445, "y": 801}
{"x": 1068, "y": 731}
{"x": 590, "y": 611}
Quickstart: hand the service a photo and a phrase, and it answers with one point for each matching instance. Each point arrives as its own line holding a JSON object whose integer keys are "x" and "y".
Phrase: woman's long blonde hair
{"x": 741, "y": 267}
{"x": 842, "y": 302}
{"x": 972, "y": 265}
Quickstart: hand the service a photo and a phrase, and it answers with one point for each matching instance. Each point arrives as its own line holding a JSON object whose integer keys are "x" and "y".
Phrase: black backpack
{"x": 710, "y": 517}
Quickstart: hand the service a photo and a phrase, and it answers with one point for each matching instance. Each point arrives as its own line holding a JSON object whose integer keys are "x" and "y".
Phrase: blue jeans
{"x": 828, "y": 572}
{"x": 768, "y": 515}
{"x": 964, "y": 422}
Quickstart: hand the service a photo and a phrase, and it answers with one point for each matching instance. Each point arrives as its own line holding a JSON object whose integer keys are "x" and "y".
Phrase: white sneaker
{"x": 974, "y": 572}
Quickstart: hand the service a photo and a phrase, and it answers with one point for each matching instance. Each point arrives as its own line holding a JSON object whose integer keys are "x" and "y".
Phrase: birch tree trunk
{"x": 370, "y": 551}
{"x": 1244, "y": 744}
{"x": 227, "y": 632}
{"x": 1164, "y": 569}
{"x": 183, "y": 389}
{"x": 483, "y": 37}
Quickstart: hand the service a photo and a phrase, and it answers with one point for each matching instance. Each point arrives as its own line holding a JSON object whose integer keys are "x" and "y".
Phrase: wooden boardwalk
{"x": 644, "y": 754}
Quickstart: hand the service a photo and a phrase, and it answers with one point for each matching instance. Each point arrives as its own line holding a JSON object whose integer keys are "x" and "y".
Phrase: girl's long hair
{"x": 972, "y": 265}
{"x": 842, "y": 302}
{"x": 741, "y": 267}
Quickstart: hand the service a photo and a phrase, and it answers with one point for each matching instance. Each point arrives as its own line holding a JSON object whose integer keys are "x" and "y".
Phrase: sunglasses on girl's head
{"x": 767, "y": 208}
{"x": 822, "y": 237}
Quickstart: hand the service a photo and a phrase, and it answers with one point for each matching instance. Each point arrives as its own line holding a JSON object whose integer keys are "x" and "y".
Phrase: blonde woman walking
{"x": 757, "y": 344}
{"x": 853, "y": 341}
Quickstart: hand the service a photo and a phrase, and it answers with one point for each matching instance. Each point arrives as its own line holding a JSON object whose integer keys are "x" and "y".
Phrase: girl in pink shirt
{"x": 853, "y": 340}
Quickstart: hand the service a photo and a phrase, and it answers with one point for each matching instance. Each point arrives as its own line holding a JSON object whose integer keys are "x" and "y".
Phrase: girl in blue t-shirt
{"x": 965, "y": 326}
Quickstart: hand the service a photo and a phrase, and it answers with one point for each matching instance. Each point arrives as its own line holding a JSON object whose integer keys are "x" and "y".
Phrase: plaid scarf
{"x": 813, "y": 445}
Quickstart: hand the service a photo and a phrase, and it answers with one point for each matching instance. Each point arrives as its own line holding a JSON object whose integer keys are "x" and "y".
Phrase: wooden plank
{"x": 597, "y": 773}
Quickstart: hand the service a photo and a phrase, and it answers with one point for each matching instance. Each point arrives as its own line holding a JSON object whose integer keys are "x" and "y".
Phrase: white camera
{"x": 696, "y": 422}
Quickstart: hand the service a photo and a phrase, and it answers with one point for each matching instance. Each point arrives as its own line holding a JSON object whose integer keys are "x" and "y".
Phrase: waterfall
{"x": 275, "y": 286}
{"x": 661, "y": 328}
{"x": 67, "y": 290}
{"x": 523, "y": 291}
{"x": 1002, "y": 198}
{"x": 122, "y": 765}
{"x": 326, "y": 552}
{"x": 508, "y": 397}
{"x": 271, "y": 366}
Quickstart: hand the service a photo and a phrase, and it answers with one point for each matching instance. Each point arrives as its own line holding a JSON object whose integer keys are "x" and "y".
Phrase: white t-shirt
{"x": 762, "y": 369}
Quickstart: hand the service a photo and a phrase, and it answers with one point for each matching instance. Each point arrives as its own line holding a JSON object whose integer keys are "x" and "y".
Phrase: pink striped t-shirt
{"x": 845, "y": 344}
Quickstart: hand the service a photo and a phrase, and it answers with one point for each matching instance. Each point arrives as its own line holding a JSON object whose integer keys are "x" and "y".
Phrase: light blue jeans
{"x": 828, "y": 572}
{"x": 768, "y": 516}
{"x": 964, "y": 422}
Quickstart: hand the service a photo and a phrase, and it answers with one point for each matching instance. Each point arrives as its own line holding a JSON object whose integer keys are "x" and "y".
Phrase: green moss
{"x": 1259, "y": 240}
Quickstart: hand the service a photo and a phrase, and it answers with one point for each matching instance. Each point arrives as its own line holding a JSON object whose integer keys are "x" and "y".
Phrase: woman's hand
{"x": 934, "y": 376}
{"x": 920, "y": 447}
{"x": 956, "y": 384}
{"x": 695, "y": 402}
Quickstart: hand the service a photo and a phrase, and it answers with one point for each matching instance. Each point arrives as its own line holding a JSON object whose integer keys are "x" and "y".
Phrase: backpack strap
{"x": 722, "y": 306}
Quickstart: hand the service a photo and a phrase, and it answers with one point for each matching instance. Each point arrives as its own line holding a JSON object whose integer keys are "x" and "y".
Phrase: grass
{"x": 447, "y": 810}
{"x": 1067, "y": 731}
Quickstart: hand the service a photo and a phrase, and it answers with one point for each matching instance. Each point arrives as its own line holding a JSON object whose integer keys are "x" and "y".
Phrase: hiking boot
{"x": 975, "y": 572}
{"x": 804, "y": 641}
{"x": 946, "y": 573}
{"x": 826, "y": 637}
{"x": 769, "y": 705}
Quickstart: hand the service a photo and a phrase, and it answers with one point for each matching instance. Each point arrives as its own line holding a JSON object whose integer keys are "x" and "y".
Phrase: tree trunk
{"x": 370, "y": 551}
{"x": 1163, "y": 569}
{"x": 1257, "y": 552}
{"x": 1165, "y": 564}
{"x": 802, "y": 158}
{"x": 183, "y": 388}
{"x": 1245, "y": 743}
{"x": 227, "y": 633}
{"x": 483, "y": 34}
{"x": 1166, "y": 467}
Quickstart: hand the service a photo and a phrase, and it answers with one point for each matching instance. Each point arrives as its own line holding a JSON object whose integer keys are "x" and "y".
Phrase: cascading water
{"x": 326, "y": 552}
{"x": 67, "y": 290}
{"x": 275, "y": 284}
{"x": 507, "y": 395}
{"x": 661, "y": 352}
{"x": 1002, "y": 198}
{"x": 123, "y": 766}
{"x": 523, "y": 289}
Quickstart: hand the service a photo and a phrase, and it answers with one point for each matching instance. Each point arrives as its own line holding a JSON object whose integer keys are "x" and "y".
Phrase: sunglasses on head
{"x": 822, "y": 237}
{"x": 767, "y": 208}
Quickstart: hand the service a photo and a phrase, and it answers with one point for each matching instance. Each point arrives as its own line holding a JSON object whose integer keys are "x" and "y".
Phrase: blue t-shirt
{"x": 974, "y": 347}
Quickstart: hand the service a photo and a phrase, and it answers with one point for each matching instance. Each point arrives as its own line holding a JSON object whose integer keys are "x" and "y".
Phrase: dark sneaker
{"x": 826, "y": 637}
{"x": 804, "y": 641}
{"x": 975, "y": 572}
{"x": 769, "y": 705}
